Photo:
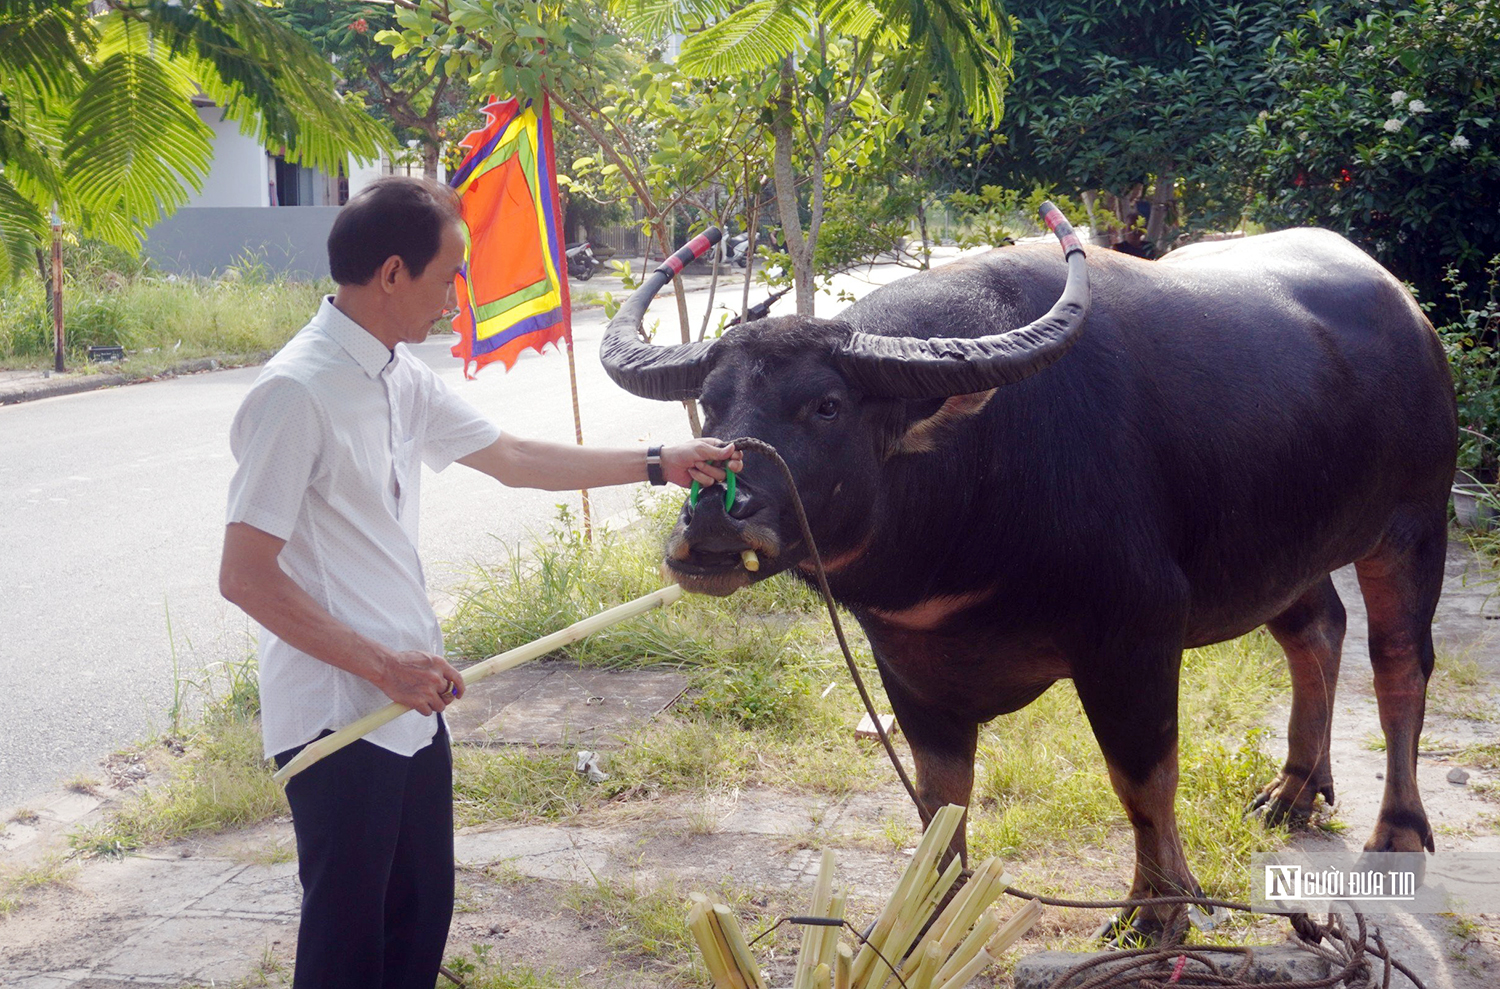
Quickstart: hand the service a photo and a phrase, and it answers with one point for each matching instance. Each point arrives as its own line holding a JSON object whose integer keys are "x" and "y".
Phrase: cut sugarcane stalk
{"x": 822, "y": 977}
{"x": 947, "y": 930}
{"x": 1015, "y": 928}
{"x": 985, "y": 929}
{"x": 830, "y": 938}
{"x": 1019, "y": 923}
{"x": 329, "y": 744}
{"x": 812, "y": 937}
{"x": 930, "y": 958}
{"x": 869, "y": 970}
{"x": 708, "y": 947}
{"x": 739, "y": 950}
{"x": 750, "y": 560}
{"x": 738, "y": 978}
{"x": 843, "y": 968}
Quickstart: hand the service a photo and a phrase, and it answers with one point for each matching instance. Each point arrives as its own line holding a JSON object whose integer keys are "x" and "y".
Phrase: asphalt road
{"x": 111, "y": 518}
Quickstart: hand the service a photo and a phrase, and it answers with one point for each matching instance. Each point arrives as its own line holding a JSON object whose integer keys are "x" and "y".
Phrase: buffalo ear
{"x": 923, "y": 435}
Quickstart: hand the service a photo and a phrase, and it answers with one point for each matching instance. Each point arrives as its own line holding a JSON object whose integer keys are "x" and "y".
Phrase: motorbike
{"x": 581, "y": 261}
{"x": 758, "y": 311}
{"x": 738, "y": 250}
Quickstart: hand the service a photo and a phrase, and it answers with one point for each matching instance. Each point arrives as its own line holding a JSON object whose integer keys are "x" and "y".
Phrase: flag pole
{"x": 560, "y": 257}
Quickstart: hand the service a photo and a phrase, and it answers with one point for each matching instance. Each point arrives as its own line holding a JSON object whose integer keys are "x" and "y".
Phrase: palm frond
{"x": 757, "y": 35}
{"x": 22, "y": 228}
{"x": 268, "y": 80}
{"x": 857, "y": 18}
{"x": 43, "y": 46}
{"x": 656, "y": 19}
{"x": 134, "y": 139}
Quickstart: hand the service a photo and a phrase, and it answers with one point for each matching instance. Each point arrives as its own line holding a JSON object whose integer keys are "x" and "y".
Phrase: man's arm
{"x": 522, "y": 463}
{"x": 251, "y": 577}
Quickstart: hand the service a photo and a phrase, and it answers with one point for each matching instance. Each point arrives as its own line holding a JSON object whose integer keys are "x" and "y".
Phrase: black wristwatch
{"x": 653, "y": 466}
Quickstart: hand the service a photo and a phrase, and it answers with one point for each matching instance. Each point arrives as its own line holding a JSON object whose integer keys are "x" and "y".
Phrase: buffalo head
{"x": 833, "y": 402}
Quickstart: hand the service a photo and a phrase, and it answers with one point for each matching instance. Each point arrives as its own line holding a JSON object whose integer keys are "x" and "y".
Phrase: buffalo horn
{"x": 912, "y": 367}
{"x": 664, "y": 373}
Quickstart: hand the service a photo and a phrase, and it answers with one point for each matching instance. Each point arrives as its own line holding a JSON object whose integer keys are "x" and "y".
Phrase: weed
{"x": 898, "y": 832}
{"x": 1453, "y": 690}
{"x": 638, "y": 919}
{"x": 479, "y": 972}
{"x": 1481, "y": 755}
{"x": 83, "y": 784}
{"x": 55, "y": 870}
{"x": 25, "y": 815}
{"x": 220, "y": 782}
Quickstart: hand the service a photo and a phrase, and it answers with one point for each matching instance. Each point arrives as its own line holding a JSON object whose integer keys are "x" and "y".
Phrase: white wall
{"x": 238, "y": 175}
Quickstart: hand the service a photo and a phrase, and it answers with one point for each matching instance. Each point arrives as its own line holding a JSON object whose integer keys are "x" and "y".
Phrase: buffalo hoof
{"x": 1289, "y": 800}
{"x": 1142, "y": 927}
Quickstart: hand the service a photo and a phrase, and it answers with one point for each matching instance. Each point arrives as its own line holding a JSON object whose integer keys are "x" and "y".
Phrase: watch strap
{"x": 653, "y": 466}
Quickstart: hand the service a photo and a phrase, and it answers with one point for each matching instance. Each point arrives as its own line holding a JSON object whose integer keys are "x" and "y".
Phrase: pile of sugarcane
{"x": 933, "y": 952}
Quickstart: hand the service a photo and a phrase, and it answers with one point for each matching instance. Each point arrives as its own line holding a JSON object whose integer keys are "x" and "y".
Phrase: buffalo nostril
{"x": 745, "y": 505}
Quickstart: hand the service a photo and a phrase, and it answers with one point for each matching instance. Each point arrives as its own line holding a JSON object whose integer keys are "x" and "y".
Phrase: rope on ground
{"x": 1351, "y": 958}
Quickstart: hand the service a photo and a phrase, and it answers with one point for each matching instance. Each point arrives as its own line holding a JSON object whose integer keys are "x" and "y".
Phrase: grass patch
{"x": 646, "y": 921}
{"x": 1456, "y": 690}
{"x": 220, "y": 780}
{"x": 51, "y": 871}
{"x": 111, "y": 300}
{"x": 479, "y": 971}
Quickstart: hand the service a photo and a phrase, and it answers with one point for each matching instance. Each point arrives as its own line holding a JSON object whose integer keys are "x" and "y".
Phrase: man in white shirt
{"x": 321, "y": 549}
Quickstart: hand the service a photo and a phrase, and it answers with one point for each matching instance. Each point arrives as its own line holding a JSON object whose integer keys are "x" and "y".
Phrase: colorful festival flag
{"x": 513, "y": 292}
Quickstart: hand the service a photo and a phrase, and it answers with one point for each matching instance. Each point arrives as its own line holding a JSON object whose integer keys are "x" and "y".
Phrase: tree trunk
{"x": 682, "y": 318}
{"x": 922, "y": 225}
{"x": 429, "y": 161}
{"x": 44, "y": 268}
{"x": 786, "y": 196}
{"x": 1162, "y": 197}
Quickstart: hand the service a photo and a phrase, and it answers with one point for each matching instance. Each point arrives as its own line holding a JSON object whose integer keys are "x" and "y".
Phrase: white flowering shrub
{"x": 1386, "y": 128}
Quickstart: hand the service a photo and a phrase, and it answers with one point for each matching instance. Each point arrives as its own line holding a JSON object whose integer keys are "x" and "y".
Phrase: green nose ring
{"x": 729, "y": 489}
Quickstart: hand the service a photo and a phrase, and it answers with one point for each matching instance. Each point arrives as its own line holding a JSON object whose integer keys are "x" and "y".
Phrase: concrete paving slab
{"x": 568, "y": 854}
{"x": 16, "y": 835}
{"x": 586, "y": 708}
{"x": 189, "y": 948}
{"x": 155, "y": 887}
{"x": 487, "y": 698}
{"x": 65, "y": 808}
{"x": 257, "y": 891}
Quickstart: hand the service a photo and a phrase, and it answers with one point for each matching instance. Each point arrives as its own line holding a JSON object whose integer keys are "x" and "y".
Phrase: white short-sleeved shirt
{"x": 329, "y": 443}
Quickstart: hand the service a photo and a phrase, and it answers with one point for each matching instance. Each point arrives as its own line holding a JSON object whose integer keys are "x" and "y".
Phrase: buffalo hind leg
{"x": 1311, "y": 633}
{"x": 1401, "y": 582}
{"x": 1134, "y": 718}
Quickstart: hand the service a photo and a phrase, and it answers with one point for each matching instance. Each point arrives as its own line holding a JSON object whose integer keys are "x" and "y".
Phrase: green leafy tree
{"x": 96, "y": 112}
{"x": 838, "y": 66}
{"x": 1128, "y": 97}
{"x": 420, "y": 103}
{"x": 1387, "y": 129}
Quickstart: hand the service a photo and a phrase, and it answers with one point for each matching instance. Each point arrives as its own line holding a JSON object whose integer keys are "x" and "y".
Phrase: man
{"x": 321, "y": 549}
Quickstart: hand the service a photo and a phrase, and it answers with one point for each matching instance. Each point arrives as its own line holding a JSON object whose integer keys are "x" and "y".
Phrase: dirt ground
{"x": 575, "y": 899}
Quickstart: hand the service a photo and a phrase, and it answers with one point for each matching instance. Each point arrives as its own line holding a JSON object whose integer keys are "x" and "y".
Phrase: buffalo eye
{"x": 829, "y": 408}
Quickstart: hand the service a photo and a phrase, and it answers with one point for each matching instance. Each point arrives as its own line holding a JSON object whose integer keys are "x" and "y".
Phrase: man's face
{"x": 424, "y": 298}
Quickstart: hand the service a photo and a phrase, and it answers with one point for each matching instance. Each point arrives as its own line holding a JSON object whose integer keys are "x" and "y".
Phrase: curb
{"x": 50, "y": 388}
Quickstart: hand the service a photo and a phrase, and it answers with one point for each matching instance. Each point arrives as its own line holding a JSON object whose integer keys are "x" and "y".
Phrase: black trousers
{"x": 375, "y": 855}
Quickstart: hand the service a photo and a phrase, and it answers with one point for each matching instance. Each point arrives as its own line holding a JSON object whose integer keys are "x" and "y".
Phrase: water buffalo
{"x": 1015, "y": 479}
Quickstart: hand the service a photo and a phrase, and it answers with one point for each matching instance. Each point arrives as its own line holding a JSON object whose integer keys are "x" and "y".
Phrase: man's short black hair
{"x": 393, "y": 215}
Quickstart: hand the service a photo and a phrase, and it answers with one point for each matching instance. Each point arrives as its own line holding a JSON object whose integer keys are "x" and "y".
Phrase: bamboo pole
{"x": 329, "y": 744}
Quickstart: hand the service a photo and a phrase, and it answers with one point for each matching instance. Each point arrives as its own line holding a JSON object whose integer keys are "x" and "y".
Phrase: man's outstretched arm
{"x": 522, "y": 463}
{"x": 251, "y": 577}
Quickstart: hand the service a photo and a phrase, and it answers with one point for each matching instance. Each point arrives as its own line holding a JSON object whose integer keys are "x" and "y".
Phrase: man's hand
{"x": 420, "y": 680}
{"x": 688, "y": 462}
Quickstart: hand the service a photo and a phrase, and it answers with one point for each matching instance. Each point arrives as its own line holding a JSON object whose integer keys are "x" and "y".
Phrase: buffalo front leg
{"x": 1133, "y": 711}
{"x": 942, "y": 748}
{"x": 1311, "y": 633}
